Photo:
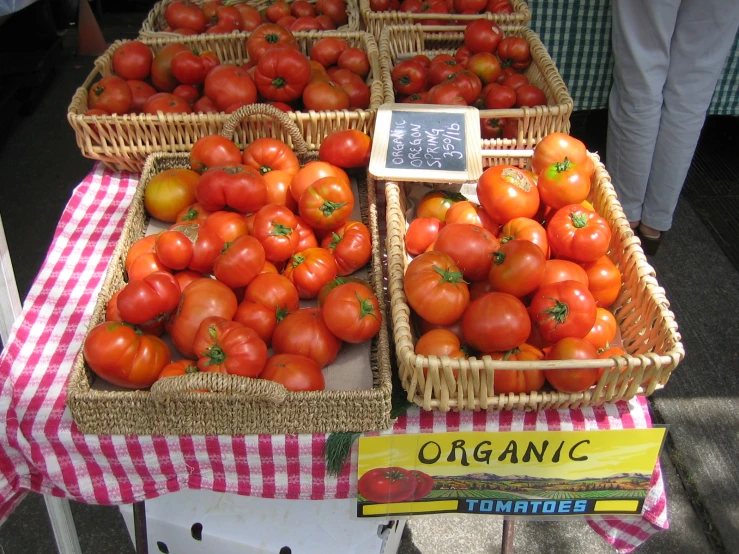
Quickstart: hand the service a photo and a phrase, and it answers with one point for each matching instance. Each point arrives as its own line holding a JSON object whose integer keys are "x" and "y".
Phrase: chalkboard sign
{"x": 427, "y": 143}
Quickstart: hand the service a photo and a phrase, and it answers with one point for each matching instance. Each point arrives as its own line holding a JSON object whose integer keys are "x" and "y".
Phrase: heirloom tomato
{"x": 185, "y": 277}
{"x": 194, "y": 213}
{"x": 409, "y": 77}
{"x": 227, "y": 85}
{"x": 482, "y": 35}
{"x": 326, "y": 51}
{"x": 268, "y": 154}
{"x": 516, "y": 80}
{"x": 437, "y": 202}
{"x": 294, "y": 372}
{"x": 435, "y": 288}
{"x": 185, "y": 14}
{"x": 124, "y": 356}
{"x": 202, "y": 298}
{"x": 132, "y": 61}
{"x": 327, "y": 203}
{"x": 180, "y": 367}
{"x": 555, "y": 147}
{"x": 275, "y": 292}
{"x": 190, "y": 68}
{"x": 325, "y": 95}
{"x": 150, "y": 299}
{"x": 604, "y": 280}
{"x": 225, "y": 346}
{"x": 506, "y": 192}
{"x": 604, "y": 330}
{"x": 259, "y": 318}
{"x": 166, "y": 102}
{"x": 387, "y": 485}
{"x": 473, "y": 214}
{"x": 527, "y": 229}
{"x": 346, "y": 149}
{"x": 239, "y": 261}
{"x": 110, "y": 94}
{"x": 439, "y": 342}
{"x": 206, "y": 246}
{"x": 250, "y": 17}
{"x": 496, "y": 322}
{"x": 204, "y": 105}
{"x": 282, "y": 74}
{"x": 213, "y": 150}
{"x": 514, "y": 52}
{"x": 304, "y": 332}
{"x": 278, "y": 189}
{"x": 557, "y": 271}
{"x": 572, "y": 380}
{"x": 189, "y": 93}
{"x": 307, "y": 238}
{"x": 331, "y": 285}
{"x": 142, "y": 260}
{"x": 237, "y": 186}
{"x": 351, "y": 246}
{"x": 499, "y": 97}
{"x": 306, "y": 24}
{"x": 578, "y": 234}
{"x": 517, "y": 268}
{"x": 312, "y": 172}
{"x": 266, "y": 37}
{"x": 227, "y": 225}
{"x": 471, "y": 247}
{"x": 563, "y": 183}
{"x": 352, "y": 313}
{"x": 518, "y": 381}
{"x": 440, "y": 72}
{"x": 468, "y": 84}
{"x": 169, "y": 192}
{"x": 161, "y": 67}
{"x": 309, "y": 270}
{"x": 564, "y": 309}
{"x": 335, "y": 9}
{"x": 356, "y": 61}
{"x": 528, "y": 96}
{"x": 277, "y": 10}
{"x": 421, "y": 234}
{"x": 276, "y": 228}
{"x": 301, "y": 8}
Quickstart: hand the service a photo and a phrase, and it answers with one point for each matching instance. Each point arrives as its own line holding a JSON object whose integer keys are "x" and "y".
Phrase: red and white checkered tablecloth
{"x": 42, "y": 450}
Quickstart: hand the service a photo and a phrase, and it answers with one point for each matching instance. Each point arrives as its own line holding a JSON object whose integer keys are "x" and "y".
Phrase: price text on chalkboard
{"x": 427, "y": 141}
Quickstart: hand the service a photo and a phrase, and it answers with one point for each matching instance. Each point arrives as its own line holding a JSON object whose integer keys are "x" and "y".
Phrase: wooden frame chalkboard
{"x": 425, "y": 142}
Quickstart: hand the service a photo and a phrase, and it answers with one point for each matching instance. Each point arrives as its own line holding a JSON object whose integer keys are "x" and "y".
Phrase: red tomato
{"x": 436, "y": 204}
{"x": 169, "y": 192}
{"x": 239, "y": 261}
{"x": 409, "y": 77}
{"x": 150, "y": 299}
{"x": 471, "y": 247}
{"x": 326, "y": 51}
{"x": 268, "y": 154}
{"x": 572, "y": 380}
{"x": 352, "y": 313}
{"x": 563, "y": 183}
{"x": 275, "y": 227}
{"x": 306, "y": 235}
{"x": 250, "y": 17}
{"x": 266, "y": 37}
{"x": 202, "y": 298}
{"x": 278, "y": 189}
{"x": 195, "y": 213}
{"x": 237, "y": 186}
{"x": 496, "y": 322}
{"x": 204, "y": 105}
{"x": 225, "y": 346}
{"x": 526, "y": 229}
{"x": 518, "y": 267}
{"x": 186, "y": 277}
{"x": 261, "y": 319}
{"x": 327, "y": 203}
{"x": 439, "y": 72}
{"x": 227, "y": 18}
{"x": 555, "y": 147}
{"x": 482, "y": 35}
{"x": 578, "y": 234}
{"x": 604, "y": 281}
{"x": 206, "y": 246}
{"x": 468, "y": 84}
{"x": 306, "y": 24}
{"x": 312, "y": 172}
{"x": 499, "y": 97}
{"x": 530, "y": 96}
{"x": 132, "y": 60}
{"x": 180, "y": 367}
{"x": 506, "y": 192}
{"x": 294, "y": 372}
{"x": 110, "y": 94}
{"x": 518, "y": 381}
{"x": 472, "y": 214}
{"x": 304, "y": 332}
{"x": 273, "y": 291}
{"x": 514, "y": 52}
{"x": 187, "y": 92}
{"x": 185, "y": 14}
{"x": 161, "y": 67}
{"x": 190, "y": 68}
{"x": 564, "y": 309}
{"x": 346, "y": 149}
{"x": 328, "y": 287}
{"x": 455, "y": 327}
{"x": 227, "y": 85}
{"x": 387, "y": 485}
{"x": 325, "y": 95}
{"x": 227, "y": 225}
{"x": 140, "y": 93}
{"x": 351, "y": 246}
{"x": 557, "y": 271}
{"x": 421, "y": 234}
{"x": 301, "y": 8}
{"x": 516, "y": 80}
{"x": 277, "y": 10}
{"x": 604, "y": 330}
{"x": 165, "y": 102}
{"x": 282, "y": 74}
{"x": 309, "y": 270}
{"x": 439, "y": 342}
{"x": 356, "y": 61}
{"x": 335, "y": 9}
{"x": 435, "y": 288}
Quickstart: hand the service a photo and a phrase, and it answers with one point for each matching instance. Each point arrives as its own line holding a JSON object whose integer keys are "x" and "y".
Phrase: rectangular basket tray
{"x": 648, "y": 327}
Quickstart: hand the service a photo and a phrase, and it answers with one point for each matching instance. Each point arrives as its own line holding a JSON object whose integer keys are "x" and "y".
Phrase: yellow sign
{"x": 532, "y": 473}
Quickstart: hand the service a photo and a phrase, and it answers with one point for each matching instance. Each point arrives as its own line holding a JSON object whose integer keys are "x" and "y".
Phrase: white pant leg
{"x": 704, "y": 35}
{"x": 641, "y": 37}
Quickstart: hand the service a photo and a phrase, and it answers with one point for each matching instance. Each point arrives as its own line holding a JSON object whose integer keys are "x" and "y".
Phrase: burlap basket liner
{"x": 399, "y": 42}
{"x": 375, "y": 22}
{"x": 155, "y": 21}
{"x": 237, "y": 405}
{"x": 648, "y": 327}
{"x": 124, "y": 141}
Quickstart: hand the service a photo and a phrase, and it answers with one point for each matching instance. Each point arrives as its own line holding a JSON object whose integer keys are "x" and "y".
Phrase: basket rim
{"x": 521, "y": 15}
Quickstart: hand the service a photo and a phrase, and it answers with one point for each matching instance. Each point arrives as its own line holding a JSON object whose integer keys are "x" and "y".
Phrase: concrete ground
{"x": 41, "y": 164}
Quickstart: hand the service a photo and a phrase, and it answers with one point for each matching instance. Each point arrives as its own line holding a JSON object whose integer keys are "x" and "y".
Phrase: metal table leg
{"x": 139, "y": 526}
{"x": 508, "y": 531}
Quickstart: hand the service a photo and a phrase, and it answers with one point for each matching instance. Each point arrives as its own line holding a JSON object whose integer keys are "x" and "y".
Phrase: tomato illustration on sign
{"x": 388, "y": 484}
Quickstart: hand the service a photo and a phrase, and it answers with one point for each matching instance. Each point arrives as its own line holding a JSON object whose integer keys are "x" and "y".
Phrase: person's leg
{"x": 642, "y": 32}
{"x": 704, "y": 34}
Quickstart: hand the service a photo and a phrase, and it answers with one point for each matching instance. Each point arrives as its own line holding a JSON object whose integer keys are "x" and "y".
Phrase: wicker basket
{"x": 398, "y": 42}
{"x": 155, "y": 22}
{"x": 375, "y": 22}
{"x": 237, "y": 405}
{"x": 124, "y": 142}
{"x": 647, "y": 326}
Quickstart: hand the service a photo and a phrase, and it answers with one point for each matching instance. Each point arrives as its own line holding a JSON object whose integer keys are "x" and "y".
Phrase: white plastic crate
{"x": 233, "y": 524}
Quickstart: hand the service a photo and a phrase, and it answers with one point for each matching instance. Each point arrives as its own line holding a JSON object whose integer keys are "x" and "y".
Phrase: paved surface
{"x": 41, "y": 164}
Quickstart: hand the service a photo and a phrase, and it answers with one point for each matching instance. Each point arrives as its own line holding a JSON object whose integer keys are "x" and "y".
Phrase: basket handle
{"x": 258, "y": 389}
{"x": 229, "y": 127}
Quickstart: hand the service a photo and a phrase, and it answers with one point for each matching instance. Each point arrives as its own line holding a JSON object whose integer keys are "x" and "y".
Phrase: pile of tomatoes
{"x": 252, "y": 235}
{"x": 180, "y": 80}
{"x": 218, "y": 17}
{"x": 523, "y": 276}
{"x": 485, "y": 72}
{"x": 442, "y": 7}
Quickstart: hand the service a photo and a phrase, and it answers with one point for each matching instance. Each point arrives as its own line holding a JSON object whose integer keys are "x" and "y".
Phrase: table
{"x": 577, "y": 34}
{"x": 42, "y": 450}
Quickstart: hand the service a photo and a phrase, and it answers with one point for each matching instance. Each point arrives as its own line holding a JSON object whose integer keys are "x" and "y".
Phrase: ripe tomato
{"x": 516, "y": 80}
{"x": 496, "y": 322}
{"x": 518, "y": 267}
{"x": 268, "y": 36}
{"x": 239, "y": 261}
{"x": 472, "y": 214}
{"x": 312, "y": 172}
{"x": 124, "y": 356}
{"x": 557, "y": 271}
{"x": 261, "y": 319}
{"x": 142, "y": 260}
{"x": 439, "y": 342}
{"x": 356, "y": 61}
{"x": 274, "y": 291}
{"x": 227, "y": 85}
{"x": 325, "y": 95}
{"x": 514, "y": 52}
{"x": 421, "y": 234}
{"x": 440, "y": 72}
{"x": 527, "y": 229}
{"x": 424, "y": 485}
{"x": 468, "y": 84}
{"x": 204, "y": 105}
{"x": 250, "y": 17}
{"x": 486, "y": 66}
{"x": 578, "y": 234}
{"x": 604, "y": 281}
{"x": 351, "y": 246}
{"x": 225, "y": 346}
{"x": 301, "y": 8}
{"x": 213, "y": 150}
{"x": 555, "y": 147}
{"x": 499, "y": 97}
{"x": 305, "y": 24}
{"x": 409, "y": 77}
{"x": 604, "y": 330}
{"x": 188, "y": 93}
{"x": 506, "y": 192}
{"x": 278, "y": 189}
{"x": 110, "y": 94}
{"x": 304, "y": 332}
{"x": 237, "y": 186}
{"x": 227, "y": 19}
{"x": 202, "y": 298}
{"x": 180, "y": 367}
{"x": 454, "y": 327}
{"x": 150, "y": 299}
{"x": 563, "y": 183}
{"x": 352, "y": 313}
{"x": 386, "y": 485}
{"x": 195, "y": 213}
{"x": 206, "y": 246}
{"x": 190, "y": 68}
{"x": 161, "y": 67}
{"x": 335, "y": 9}
{"x": 435, "y": 288}
{"x": 482, "y": 35}
{"x": 185, "y": 14}
{"x": 326, "y": 51}
{"x": 309, "y": 270}
{"x": 491, "y": 128}
{"x": 275, "y": 227}
{"x": 518, "y": 381}
{"x": 166, "y": 103}
{"x": 305, "y": 233}
{"x": 327, "y": 24}
{"x": 572, "y": 380}
{"x": 185, "y": 277}
{"x": 268, "y": 154}
{"x": 294, "y": 372}
{"x": 327, "y": 203}
{"x": 346, "y": 149}
{"x": 277, "y": 10}
{"x": 282, "y": 74}
{"x": 140, "y": 93}
{"x": 436, "y": 203}
{"x": 530, "y": 96}
{"x": 471, "y": 247}
{"x": 169, "y": 192}
{"x": 227, "y": 225}
{"x": 564, "y": 309}
{"x": 328, "y": 287}
{"x": 132, "y": 60}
